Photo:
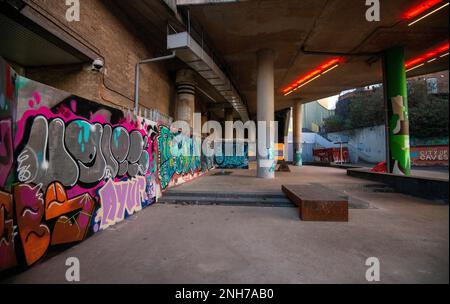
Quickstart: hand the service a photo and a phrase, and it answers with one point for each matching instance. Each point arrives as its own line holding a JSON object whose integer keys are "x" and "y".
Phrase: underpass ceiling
{"x": 238, "y": 30}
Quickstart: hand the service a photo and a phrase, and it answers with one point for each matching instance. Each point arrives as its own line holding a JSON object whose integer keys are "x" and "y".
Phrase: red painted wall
{"x": 429, "y": 155}
{"x": 331, "y": 155}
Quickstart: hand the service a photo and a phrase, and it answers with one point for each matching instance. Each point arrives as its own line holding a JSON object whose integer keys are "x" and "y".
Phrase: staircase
{"x": 261, "y": 199}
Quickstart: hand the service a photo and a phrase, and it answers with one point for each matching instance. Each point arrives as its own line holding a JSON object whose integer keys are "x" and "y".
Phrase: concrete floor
{"x": 434, "y": 172}
{"x": 231, "y": 244}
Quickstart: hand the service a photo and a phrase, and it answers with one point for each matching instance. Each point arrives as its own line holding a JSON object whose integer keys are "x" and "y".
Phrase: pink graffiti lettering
{"x": 120, "y": 198}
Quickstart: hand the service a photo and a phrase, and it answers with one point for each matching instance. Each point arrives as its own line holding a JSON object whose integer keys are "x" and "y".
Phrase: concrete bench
{"x": 318, "y": 203}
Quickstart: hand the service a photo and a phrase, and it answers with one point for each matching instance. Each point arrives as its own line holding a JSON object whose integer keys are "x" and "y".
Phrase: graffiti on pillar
{"x": 75, "y": 167}
{"x": 399, "y": 142}
{"x": 272, "y": 159}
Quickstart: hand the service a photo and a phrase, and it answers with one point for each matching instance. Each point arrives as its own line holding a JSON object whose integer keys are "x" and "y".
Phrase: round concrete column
{"x": 297, "y": 125}
{"x": 397, "y": 118}
{"x": 185, "y": 83}
{"x": 265, "y": 114}
{"x": 229, "y": 114}
{"x": 204, "y": 118}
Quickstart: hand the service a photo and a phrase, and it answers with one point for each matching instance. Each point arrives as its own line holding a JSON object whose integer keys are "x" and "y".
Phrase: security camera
{"x": 97, "y": 65}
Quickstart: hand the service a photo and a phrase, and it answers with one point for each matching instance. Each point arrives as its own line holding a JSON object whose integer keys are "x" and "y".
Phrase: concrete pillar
{"x": 396, "y": 106}
{"x": 185, "y": 83}
{"x": 287, "y": 122}
{"x": 228, "y": 114}
{"x": 204, "y": 118}
{"x": 297, "y": 126}
{"x": 265, "y": 113}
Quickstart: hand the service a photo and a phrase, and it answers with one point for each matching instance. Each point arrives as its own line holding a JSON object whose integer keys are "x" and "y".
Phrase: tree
{"x": 362, "y": 109}
{"x": 334, "y": 123}
{"x": 428, "y": 113}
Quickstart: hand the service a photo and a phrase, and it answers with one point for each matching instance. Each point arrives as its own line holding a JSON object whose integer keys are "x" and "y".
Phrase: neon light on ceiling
{"x": 430, "y": 55}
{"x": 316, "y": 73}
{"x": 420, "y": 8}
{"x": 326, "y": 67}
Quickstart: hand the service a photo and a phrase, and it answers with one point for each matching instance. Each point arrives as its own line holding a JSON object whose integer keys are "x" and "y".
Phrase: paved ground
{"x": 436, "y": 172}
{"x": 230, "y": 244}
{"x": 246, "y": 181}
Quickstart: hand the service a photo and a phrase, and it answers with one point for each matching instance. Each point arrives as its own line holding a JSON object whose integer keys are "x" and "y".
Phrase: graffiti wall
{"x": 238, "y": 159}
{"x": 71, "y": 167}
{"x": 7, "y": 225}
{"x": 331, "y": 155}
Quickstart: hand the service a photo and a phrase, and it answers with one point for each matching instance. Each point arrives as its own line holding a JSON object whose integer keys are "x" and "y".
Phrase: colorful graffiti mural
{"x": 8, "y": 232}
{"x": 235, "y": 161}
{"x": 71, "y": 167}
{"x": 176, "y": 157}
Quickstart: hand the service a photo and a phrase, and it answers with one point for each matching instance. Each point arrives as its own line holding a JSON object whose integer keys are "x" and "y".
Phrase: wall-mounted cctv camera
{"x": 97, "y": 65}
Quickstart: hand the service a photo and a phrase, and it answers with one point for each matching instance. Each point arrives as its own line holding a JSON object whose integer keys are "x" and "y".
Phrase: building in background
{"x": 437, "y": 83}
{"x": 315, "y": 113}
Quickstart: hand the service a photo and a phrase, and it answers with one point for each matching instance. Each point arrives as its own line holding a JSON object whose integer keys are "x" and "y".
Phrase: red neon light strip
{"x": 319, "y": 70}
{"x": 419, "y": 9}
{"x": 428, "y": 55}
{"x": 325, "y": 66}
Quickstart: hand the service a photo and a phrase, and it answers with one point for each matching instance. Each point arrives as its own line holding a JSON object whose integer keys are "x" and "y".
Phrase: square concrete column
{"x": 265, "y": 114}
{"x": 297, "y": 125}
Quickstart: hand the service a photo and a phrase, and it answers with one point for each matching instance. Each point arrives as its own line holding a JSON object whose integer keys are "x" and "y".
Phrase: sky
{"x": 329, "y": 102}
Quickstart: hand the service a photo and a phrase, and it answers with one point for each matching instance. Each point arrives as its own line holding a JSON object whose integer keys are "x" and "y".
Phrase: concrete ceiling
{"x": 151, "y": 19}
{"x": 28, "y": 49}
{"x": 238, "y": 30}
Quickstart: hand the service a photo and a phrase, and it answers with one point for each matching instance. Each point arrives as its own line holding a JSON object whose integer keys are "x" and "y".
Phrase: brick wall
{"x": 118, "y": 42}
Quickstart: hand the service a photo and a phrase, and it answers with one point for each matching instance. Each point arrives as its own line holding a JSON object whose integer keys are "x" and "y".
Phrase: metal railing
{"x": 201, "y": 37}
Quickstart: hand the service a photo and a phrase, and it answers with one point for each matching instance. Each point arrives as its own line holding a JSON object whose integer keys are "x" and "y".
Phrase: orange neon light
{"x": 420, "y": 8}
{"x": 428, "y": 55}
{"x": 318, "y": 71}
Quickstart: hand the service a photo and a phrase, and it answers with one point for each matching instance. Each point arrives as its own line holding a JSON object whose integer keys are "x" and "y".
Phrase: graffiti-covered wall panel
{"x": 71, "y": 167}
{"x": 7, "y": 224}
{"x": 235, "y": 158}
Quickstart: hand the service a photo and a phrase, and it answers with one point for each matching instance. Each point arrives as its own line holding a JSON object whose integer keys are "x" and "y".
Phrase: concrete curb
{"x": 428, "y": 188}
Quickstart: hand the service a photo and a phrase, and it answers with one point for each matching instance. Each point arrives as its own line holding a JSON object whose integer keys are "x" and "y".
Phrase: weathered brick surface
{"x": 117, "y": 42}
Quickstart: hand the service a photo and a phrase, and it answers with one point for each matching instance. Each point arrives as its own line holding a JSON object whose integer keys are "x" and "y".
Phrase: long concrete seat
{"x": 318, "y": 203}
